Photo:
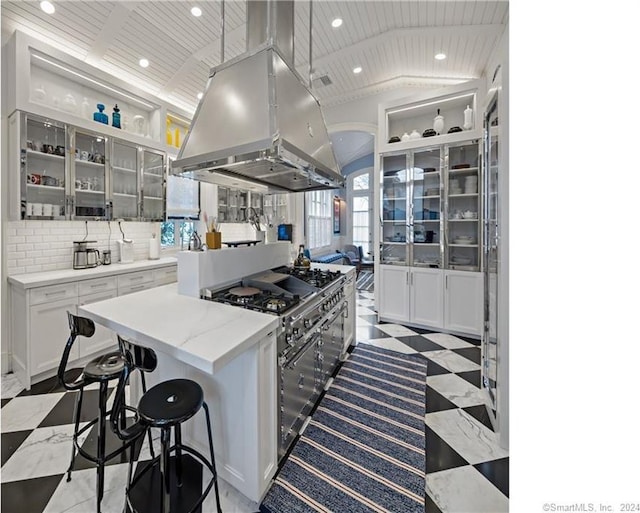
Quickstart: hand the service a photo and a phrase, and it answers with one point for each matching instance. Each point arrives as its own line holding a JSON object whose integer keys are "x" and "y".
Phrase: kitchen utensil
{"x": 454, "y": 129}
{"x": 468, "y": 214}
{"x": 34, "y": 179}
{"x": 394, "y": 139}
{"x": 48, "y": 148}
{"x": 429, "y": 132}
{"x": 50, "y": 181}
{"x": 84, "y": 155}
{"x": 106, "y": 257}
{"x": 213, "y": 240}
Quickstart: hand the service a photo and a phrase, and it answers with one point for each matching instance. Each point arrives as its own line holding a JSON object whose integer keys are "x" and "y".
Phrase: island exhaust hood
{"x": 257, "y": 121}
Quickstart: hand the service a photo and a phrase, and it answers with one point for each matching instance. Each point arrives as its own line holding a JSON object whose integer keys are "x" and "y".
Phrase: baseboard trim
{"x": 5, "y": 367}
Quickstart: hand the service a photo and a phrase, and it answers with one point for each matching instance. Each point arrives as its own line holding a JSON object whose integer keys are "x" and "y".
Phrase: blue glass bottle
{"x": 100, "y": 116}
{"x": 115, "y": 118}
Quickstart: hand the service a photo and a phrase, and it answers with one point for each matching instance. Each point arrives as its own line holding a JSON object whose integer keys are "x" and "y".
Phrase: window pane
{"x": 319, "y": 218}
{"x": 183, "y": 197}
{"x": 361, "y": 222}
{"x": 167, "y": 234}
{"x": 361, "y": 183}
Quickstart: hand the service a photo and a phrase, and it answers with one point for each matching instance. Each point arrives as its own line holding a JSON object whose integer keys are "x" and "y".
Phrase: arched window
{"x": 360, "y": 197}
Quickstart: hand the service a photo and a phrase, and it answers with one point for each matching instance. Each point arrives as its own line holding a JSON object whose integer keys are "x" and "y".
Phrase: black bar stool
{"x": 100, "y": 370}
{"x": 165, "y": 406}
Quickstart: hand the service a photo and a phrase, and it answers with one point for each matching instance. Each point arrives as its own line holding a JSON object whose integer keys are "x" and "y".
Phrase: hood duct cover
{"x": 257, "y": 121}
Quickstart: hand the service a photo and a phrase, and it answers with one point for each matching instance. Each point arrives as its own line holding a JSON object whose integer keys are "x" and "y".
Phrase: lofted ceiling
{"x": 394, "y": 42}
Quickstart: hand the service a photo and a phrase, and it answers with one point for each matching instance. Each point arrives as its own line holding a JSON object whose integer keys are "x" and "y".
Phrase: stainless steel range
{"x": 312, "y": 308}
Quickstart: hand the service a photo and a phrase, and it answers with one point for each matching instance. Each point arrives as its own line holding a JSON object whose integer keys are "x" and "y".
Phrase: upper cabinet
{"x": 447, "y": 115}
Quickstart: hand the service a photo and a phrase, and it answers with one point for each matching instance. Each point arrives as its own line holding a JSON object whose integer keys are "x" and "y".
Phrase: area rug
{"x": 364, "y": 449}
{"x": 365, "y": 281}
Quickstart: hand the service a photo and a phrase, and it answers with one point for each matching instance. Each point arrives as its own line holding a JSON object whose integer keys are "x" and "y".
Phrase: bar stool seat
{"x": 171, "y": 402}
{"x": 105, "y": 367}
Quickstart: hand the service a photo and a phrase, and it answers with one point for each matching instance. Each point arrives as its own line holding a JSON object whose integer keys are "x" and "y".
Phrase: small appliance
{"x": 83, "y": 256}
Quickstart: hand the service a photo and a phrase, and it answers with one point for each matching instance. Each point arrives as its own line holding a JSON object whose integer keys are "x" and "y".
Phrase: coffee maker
{"x": 83, "y": 256}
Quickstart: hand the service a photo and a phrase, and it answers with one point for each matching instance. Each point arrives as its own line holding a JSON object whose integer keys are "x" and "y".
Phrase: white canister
{"x": 57, "y": 210}
{"x": 47, "y": 209}
{"x": 37, "y": 209}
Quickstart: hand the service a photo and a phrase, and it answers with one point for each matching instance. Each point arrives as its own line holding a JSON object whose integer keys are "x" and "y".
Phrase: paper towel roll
{"x": 154, "y": 248}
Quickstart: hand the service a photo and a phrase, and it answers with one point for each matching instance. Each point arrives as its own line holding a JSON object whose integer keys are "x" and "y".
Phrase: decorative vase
{"x": 468, "y": 118}
{"x": 115, "y": 117}
{"x": 438, "y": 123}
{"x": 405, "y": 137}
{"x": 40, "y": 95}
{"x": 69, "y": 103}
{"x": 85, "y": 108}
{"x": 100, "y": 116}
{"x": 414, "y": 135}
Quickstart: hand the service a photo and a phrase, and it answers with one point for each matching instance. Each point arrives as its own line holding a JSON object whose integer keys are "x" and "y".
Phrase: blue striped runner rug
{"x": 364, "y": 449}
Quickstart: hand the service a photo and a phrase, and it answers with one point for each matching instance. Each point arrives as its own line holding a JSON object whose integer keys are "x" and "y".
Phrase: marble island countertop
{"x": 203, "y": 334}
{"x": 42, "y": 279}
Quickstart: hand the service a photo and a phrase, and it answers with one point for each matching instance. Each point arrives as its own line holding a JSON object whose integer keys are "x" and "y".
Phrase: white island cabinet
{"x": 231, "y": 353}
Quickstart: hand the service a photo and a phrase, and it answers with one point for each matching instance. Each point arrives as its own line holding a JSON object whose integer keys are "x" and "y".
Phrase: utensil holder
{"x": 214, "y": 240}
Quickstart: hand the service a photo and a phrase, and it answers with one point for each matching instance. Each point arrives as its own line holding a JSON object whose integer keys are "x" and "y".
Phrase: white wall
{"x": 36, "y": 246}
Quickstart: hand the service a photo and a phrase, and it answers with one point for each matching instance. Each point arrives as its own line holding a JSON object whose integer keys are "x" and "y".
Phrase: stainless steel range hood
{"x": 257, "y": 120}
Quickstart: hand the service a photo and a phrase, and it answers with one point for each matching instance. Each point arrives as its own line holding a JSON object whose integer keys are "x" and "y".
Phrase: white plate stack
{"x": 454, "y": 186}
{"x": 471, "y": 184}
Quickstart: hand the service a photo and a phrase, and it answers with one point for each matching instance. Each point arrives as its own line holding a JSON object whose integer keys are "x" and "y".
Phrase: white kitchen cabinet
{"x": 48, "y": 323}
{"x": 426, "y": 297}
{"x": 463, "y": 302}
{"x": 39, "y": 324}
{"x": 395, "y": 301}
{"x": 103, "y": 338}
{"x": 433, "y": 298}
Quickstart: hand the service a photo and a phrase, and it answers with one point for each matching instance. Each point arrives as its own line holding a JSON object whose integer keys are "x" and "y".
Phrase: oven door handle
{"x": 331, "y": 320}
{"x": 296, "y": 357}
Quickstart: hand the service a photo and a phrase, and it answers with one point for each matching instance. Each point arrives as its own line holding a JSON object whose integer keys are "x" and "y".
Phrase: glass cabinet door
{"x": 427, "y": 208}
{"x": 243, "y": 205}
{"x": 42, "y": 187}
{"x": 463, "y": 207}
{"x": 153, "y": 169}
{"x": 124, "y": 181}
{"x": 223, "y": 204}
{"x": 89, "y": 175}
{"x": 256, "y": 203}
{"x": 394, "y": 188}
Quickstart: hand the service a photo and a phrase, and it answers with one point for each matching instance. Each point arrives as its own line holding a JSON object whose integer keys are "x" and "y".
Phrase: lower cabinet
{"x": 40, "y": 327}
{"x": 48, "y": 323}
{"x": 350, "y": 321}
{"x": 433, "y": 298}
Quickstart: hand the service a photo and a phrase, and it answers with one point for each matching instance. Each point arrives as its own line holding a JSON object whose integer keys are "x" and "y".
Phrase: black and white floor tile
{"x": 467, "y": 471}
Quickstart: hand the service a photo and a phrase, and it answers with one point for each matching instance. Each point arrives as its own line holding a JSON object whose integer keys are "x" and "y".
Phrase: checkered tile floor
{"x": 466, "y": 469}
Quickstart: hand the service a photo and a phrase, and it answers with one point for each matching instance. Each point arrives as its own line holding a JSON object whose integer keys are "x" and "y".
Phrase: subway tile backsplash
{"x": 35, "y": 246}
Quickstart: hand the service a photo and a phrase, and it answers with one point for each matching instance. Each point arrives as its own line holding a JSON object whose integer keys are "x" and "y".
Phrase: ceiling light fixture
{"x": 199, "y": 96}
{"x": 47, "y": 7}
{"x": 357, "y": 69}
{"x": 336, "y": 23}
{"x": 196, "y": 11}
{"x": 440, "y": 56}
{"x": 144, "y": 63}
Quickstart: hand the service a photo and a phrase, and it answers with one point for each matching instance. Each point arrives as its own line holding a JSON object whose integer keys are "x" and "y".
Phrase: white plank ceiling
{"x": 393, "y": 41}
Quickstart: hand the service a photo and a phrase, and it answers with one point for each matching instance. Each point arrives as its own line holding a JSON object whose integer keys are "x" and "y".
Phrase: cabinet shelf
{"x": 463, "y": 220}
{"x": 471, "y": 195}
{"x": 463, "y": 245}
{"x": 88, "y": 163}
{"x": 153, "y": 175}
{"x": 426, "y": 220}
{"x": 427, "y": 197}
{"x": 388, "y": 198}
{"x": 124, "y": 169}
{"x": 432, "y": 244}
{"x": 152, "y": 198}
{"x": 48, "y": 156}
{"x": 44, "y": 188}
{"x": 86, "y": 191}
{"x": 473, "y": 170}
{"x": 394, "y": 221}
{"x": 123, "y": 195}
{"x": 155, "y": 168}
{"x": 394, "y": 243}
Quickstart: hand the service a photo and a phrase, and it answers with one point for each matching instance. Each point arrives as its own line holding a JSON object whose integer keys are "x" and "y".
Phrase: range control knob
{"x": 296, "y": 331}
{"x": 307, "y": 323}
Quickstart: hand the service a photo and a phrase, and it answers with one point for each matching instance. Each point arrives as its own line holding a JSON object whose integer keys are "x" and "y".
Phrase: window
{"x": 319, "y": 219}
{"x": 361, "y": 194}
{"x": 183, "y": 207}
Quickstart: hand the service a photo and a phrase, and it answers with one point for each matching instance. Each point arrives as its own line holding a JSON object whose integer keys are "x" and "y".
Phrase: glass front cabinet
{"x": 72, "y": 173}
{"x": 430, "y": 207}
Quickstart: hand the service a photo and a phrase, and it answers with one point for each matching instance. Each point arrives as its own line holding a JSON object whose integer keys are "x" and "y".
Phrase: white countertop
{"x": 200, "y": 333}
{"x": 42, "y": 279}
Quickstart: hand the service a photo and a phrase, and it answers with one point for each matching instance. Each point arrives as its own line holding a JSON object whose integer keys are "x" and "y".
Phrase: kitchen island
{"x": 230, "y": 352}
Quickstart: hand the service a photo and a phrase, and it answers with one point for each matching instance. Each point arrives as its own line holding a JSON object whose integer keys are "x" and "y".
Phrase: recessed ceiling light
{"x": 196, "y": 11}
{"x": 200, "y": 96}
{"x": 357, "y": 69}
{"x": 144, "y": 63}
{"x": 440, "y": 56}
{"x": 47, "y": 7}
{"x": 336, "y": 23}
